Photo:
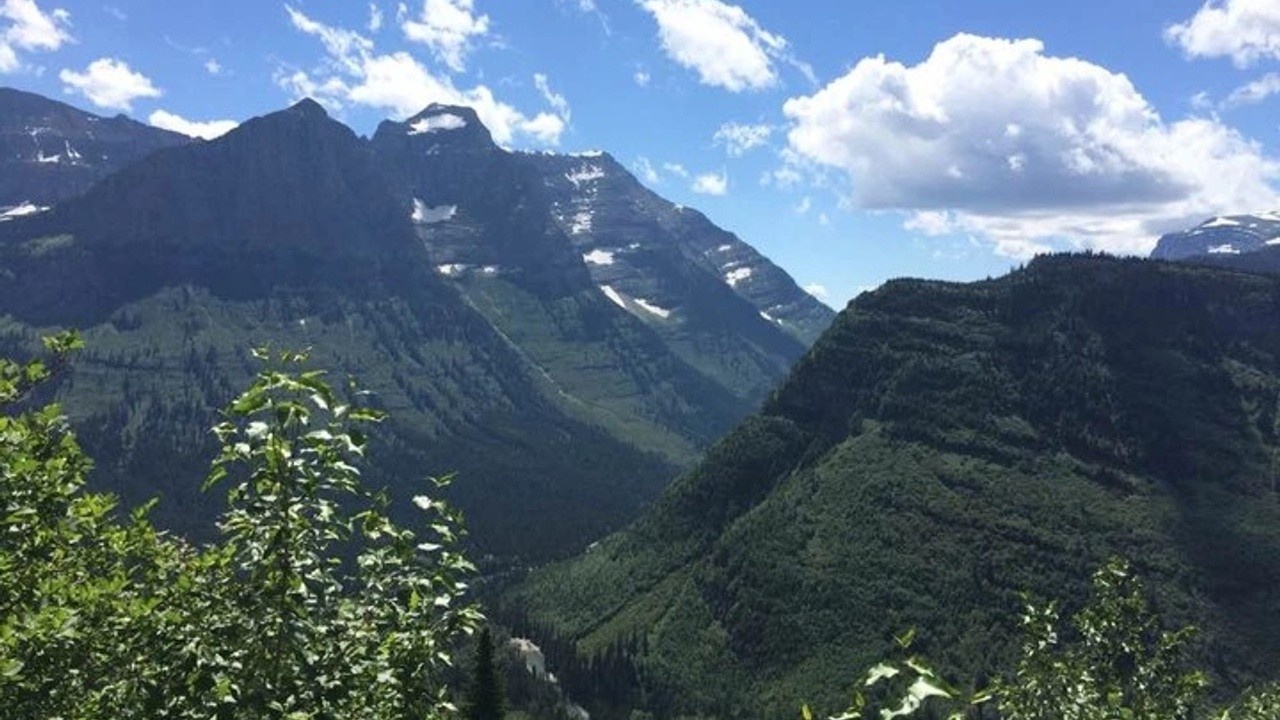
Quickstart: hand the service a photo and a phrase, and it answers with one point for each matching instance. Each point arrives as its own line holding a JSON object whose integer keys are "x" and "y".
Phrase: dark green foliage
{"x": 314, "y": 604}
{"x": 941, "y": 449}
{"x": 486, "y": 699}
{"x": 1114, "y": 660}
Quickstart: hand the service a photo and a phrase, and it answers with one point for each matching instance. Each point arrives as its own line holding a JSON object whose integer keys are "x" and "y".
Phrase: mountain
{"x": 617, "y": 222}
{"x": 1231, "y": 235}
{"x": 942, "y": 448}
{"x": 427, "y": 263}
{"x": 52, "y": 151}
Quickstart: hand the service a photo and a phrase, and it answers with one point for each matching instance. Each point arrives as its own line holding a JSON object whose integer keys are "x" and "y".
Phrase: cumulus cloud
{"x": 208, "y": 130}
{"x": 375, "y": 18}
{"x": 721, "y": 42}
{"x": 24, "y": 26}
{"x": 1000, "y": 140}
{"x": 738, "y": 138}
{"x": 213, "y": 67}
{"x": 356, "y": 74}
{"x": 447, "y": 27}
{"x": 711, "y": 184}
{"x": 109, "y": 83}
{"x": 1244, "y": 30}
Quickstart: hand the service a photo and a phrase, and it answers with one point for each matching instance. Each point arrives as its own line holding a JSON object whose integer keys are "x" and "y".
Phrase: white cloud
{"x": 1256, "y": 91}
{"x": 675, "y": 169}
{"x": 356, "y": 74}
{"x": 642, "y": 78}
{"x": 555, "y": 100}
{"x": 711, "y": 184}
{"x": 24, "y": 26}
{"x": 213, "y": 67}
{"x": 818, "y": 290}
{"x": 646, "y": 171}
{"x": 803, "y": 206}
{"x": 109, "y": 83}
{"x": 721, "y": 42}
{"x": 738, "y": 138}
{"x": 1244, "y": 30}
{"x": 1024, "y": 149}
{"x": 208, "y": 130}
{"x": 375, "y": 18}
{"x": 447, "y": 27}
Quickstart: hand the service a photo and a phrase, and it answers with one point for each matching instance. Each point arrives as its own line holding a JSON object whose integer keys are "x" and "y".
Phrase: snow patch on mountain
{"x": 452, "y": 269}
{"x": 1224, "y": 249}
{"x": 598, "y": 257}
{"x": 737, "y": 275}
{"x": 424, "y": 215}
{"x": 613, "y": 295}
{"x": 653, "y": 309}
{"x": 436, "y": 123}
{"x": 584, "y": 174}
{"x": 20, "y": 211}
{"x": 581, "y": 222}
{"x": 1219, "y": 222}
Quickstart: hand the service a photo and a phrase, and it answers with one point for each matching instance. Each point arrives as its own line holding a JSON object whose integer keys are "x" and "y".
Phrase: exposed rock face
{"x": 50, "y": 151}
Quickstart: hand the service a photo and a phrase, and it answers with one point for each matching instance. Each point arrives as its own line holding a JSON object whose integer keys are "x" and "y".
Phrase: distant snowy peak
{"x": 1227, "y": 235}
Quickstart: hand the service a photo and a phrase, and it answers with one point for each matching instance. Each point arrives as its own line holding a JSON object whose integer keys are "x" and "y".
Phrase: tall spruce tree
{"x": 485, "y": 701}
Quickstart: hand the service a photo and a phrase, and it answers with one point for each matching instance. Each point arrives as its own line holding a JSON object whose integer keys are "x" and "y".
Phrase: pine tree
{"x": 485, "y": 701}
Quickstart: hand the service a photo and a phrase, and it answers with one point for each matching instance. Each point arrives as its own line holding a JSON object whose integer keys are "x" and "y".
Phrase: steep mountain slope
{"x": 490, "y": 221}
{"x": 942, "y": 448}
{"x": 287, "y": 231}
{"x": 428, "y": 263}
{"x": 624, "y": 228}
{"x": 1230, "y": 235}
{"x": 50, "y": 151}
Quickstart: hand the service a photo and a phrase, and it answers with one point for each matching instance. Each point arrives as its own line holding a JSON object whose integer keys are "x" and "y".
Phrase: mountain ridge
{"x": 941, "y": 449}
{"x": 50, "y": 151}
{"x": 551, "y": 399}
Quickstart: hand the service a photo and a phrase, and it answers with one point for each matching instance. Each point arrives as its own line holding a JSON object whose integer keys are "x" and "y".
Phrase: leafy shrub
{"x": 313, "y": 604}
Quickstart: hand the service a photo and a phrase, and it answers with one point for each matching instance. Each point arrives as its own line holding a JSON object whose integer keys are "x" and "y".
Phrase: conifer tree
{"x": 485, "y": 701}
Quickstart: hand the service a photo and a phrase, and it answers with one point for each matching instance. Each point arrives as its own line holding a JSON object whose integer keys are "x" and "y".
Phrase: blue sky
{"x": 850, "y": 141}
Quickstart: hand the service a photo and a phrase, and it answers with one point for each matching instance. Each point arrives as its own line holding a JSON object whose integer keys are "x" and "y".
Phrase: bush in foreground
{"x": 311, "y": 605}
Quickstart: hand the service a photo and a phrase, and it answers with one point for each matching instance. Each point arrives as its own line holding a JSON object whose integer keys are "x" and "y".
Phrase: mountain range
{"x": 542, "y": 325}
{"x": 942, "y": 449}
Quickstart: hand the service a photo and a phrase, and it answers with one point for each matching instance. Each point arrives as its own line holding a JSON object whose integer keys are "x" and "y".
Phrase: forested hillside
{"x": 943, "y": 448}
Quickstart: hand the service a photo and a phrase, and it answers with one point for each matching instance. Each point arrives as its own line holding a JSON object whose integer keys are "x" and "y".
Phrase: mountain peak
{"x": 308, "y": 108}
{"x": 454, "y": 126}
{"x": 1223, "y": 235}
